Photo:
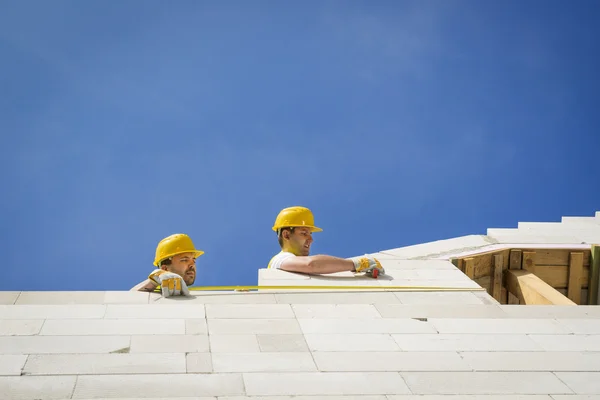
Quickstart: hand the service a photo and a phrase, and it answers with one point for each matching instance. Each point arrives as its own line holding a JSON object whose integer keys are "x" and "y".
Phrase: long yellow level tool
{"x": 315, "y": 287}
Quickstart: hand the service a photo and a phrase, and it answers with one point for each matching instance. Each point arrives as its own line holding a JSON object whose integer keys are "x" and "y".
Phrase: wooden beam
{"x": 470, "y": 267}
{"x": 575, "y": 272}
{"x": 594, "y": 275}
{"x": 530, "y": 289}
{"x": 514, "y": 263}
{"x": 497, "y": 283}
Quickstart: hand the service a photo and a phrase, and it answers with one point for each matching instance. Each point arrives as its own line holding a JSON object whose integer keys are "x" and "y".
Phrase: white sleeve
{"x": 278, "y": 260}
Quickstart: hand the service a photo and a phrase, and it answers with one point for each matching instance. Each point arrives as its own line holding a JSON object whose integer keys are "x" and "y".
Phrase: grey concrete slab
{"x": 505, "y": 383}
{"x": 335, "y": 311}
{"x": 36, "y": 387}
{"x": 245, "y": 311}
{"x": 58, "y": 344}
{"x": 360, "y": 325}
{"x": 57, "y": 297}
{"x": 196, "y": 327}
{"x": 436, "y": 297}
{"x": 169, "y": 343}
{"x": 11, "y": 364}
{"x": 532, "y": 361}
{"x": 465, "y": 342}
{"x": 389, "y": 361}
{"x": 263, "y": 362}
{"x": 55, "y": 327}
{"x": 348, "y": 342}
{"x": 282, "y": 343}
{"x": 337, "y": 298}
{"x": 567, "y": 342}
{"x": 52, "y": 311}
{"x": 253, "y": 326}
{"x": 234, "y": 343}
{"x": 157, "y": 385}
{"x": 8, "y": 297}
{"x": 199, "y": 363}
{"x": 149, "y": 311}
{"x": 498, "y": 326}
{"x": 12, "y": 327}
{"x": 95, "y": 364}
{"x": 324, "y": 383}
{"x": 581, "y": 382}
{"x": 439, "y": 311}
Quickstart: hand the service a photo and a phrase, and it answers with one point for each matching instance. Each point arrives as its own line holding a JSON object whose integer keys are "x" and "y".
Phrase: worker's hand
{"x": 171, "y": 284}
{"x": 367, "y": 264}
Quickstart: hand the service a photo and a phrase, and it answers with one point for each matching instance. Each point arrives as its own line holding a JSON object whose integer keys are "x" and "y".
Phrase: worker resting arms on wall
{"x": 294, "y": 227}
{"x": 175, "y": 259}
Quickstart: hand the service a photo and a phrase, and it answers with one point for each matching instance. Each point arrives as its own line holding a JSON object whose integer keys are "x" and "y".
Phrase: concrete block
{"x": 497, "y": 326}
{"x": 431, "y": 284}
{"x": 36, "y": 387}
{"x": 253, "y": 326}
{"x": 373, "y": 397}
{"x": 126, "y": 297}
{"x": 282, "y": 343}
{"x": 96, "y": 364}
{"x": 443, "y": 275}
{"x": 351, "y": 342}
{"x": 550, "y": 311}
{"x": 361, "y": 325}
{"x": 234, "y": 344}
{"x": 199, "y": 363}
{"x": 580, "y": 326}
{"x": 465, "y": 342}
{"x": 149, "y": 311}
{"x": 534, "y": 239}
{"x": 266, "y": 274}
{"x": 52, "y": 311}
{"x": 202, "y": 297}
{"x": 245, "y": 311}
{"x": 567, "y": 342}
{"x": 335, "y": 311}
{"x": 439, "y": 247}
{"x": 262, "y": 362}
{"x": 439, "y": 311}
{"x": 324, "y": 383}
{"x": 581, "y": 382}
{"x": 394, "y": 264}
{"x": 337, "y": 298}
{"x": 459, "y": 298}
{"x": 67, "y": 297}
{"x": 196, "y": 327}
{"x": 472, "y": 397}
{"x": 159, "y": 385}
{"x": 11, "y": 364}
{"x": 8, "y": 297}
{"x": 463, "y": 383}
{"x": 169, "y": 343}
{"x": 12, "y": 327}
{"x": 60, "y": 345}
{"x": 532, "y": 361}
{"x": 55, "y": 327}
{"x": 389, "y": 361}
{"x": 574, "y": 397}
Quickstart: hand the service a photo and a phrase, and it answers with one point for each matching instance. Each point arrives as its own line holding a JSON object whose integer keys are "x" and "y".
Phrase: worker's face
{"x": 183, "y": 265}
{"x": 300, "y": 241}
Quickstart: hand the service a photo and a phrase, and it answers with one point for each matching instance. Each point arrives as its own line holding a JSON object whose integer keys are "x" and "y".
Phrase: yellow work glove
{"x": 170, "y": 283}
{"x": 367, "y": 264}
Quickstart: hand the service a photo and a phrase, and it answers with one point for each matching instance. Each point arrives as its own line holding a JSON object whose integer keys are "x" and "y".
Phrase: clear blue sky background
{"x": 396, "y": 122}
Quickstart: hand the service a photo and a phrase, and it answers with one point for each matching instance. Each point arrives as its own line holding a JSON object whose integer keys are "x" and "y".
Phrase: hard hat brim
{"x": 197, "y": 253}
{"x": 312, "y": 228}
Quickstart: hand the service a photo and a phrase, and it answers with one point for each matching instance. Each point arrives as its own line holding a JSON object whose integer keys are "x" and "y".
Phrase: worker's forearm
{"x": 145, "y": 286}
{"x": 322, "y": 264}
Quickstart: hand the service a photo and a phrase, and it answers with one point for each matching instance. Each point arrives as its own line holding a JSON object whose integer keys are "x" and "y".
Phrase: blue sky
{"x": 396, "y": 122}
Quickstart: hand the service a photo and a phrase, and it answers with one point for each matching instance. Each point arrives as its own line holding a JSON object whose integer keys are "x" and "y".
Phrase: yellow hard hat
{"x": 294, "y": 217}
{"x": 175, "y": 244}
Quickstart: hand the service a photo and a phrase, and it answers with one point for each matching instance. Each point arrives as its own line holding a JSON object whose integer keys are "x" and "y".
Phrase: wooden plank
{"x": 497, "y": 283}
{"x": 575, "y": 274}
{"x": 528, "y": 259}
{"x": 515, "y": 259}
{"x": 558, "y": 256}
{"x": 514, "y": 263}
{"x": 594, "y": 275}
{"x": 532, "y": 290}
{"x": 557, "y": 276}
{"x": 485, "y": 282}
{"x": 483, "y": 263}
{"x": 470, "y": 267}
